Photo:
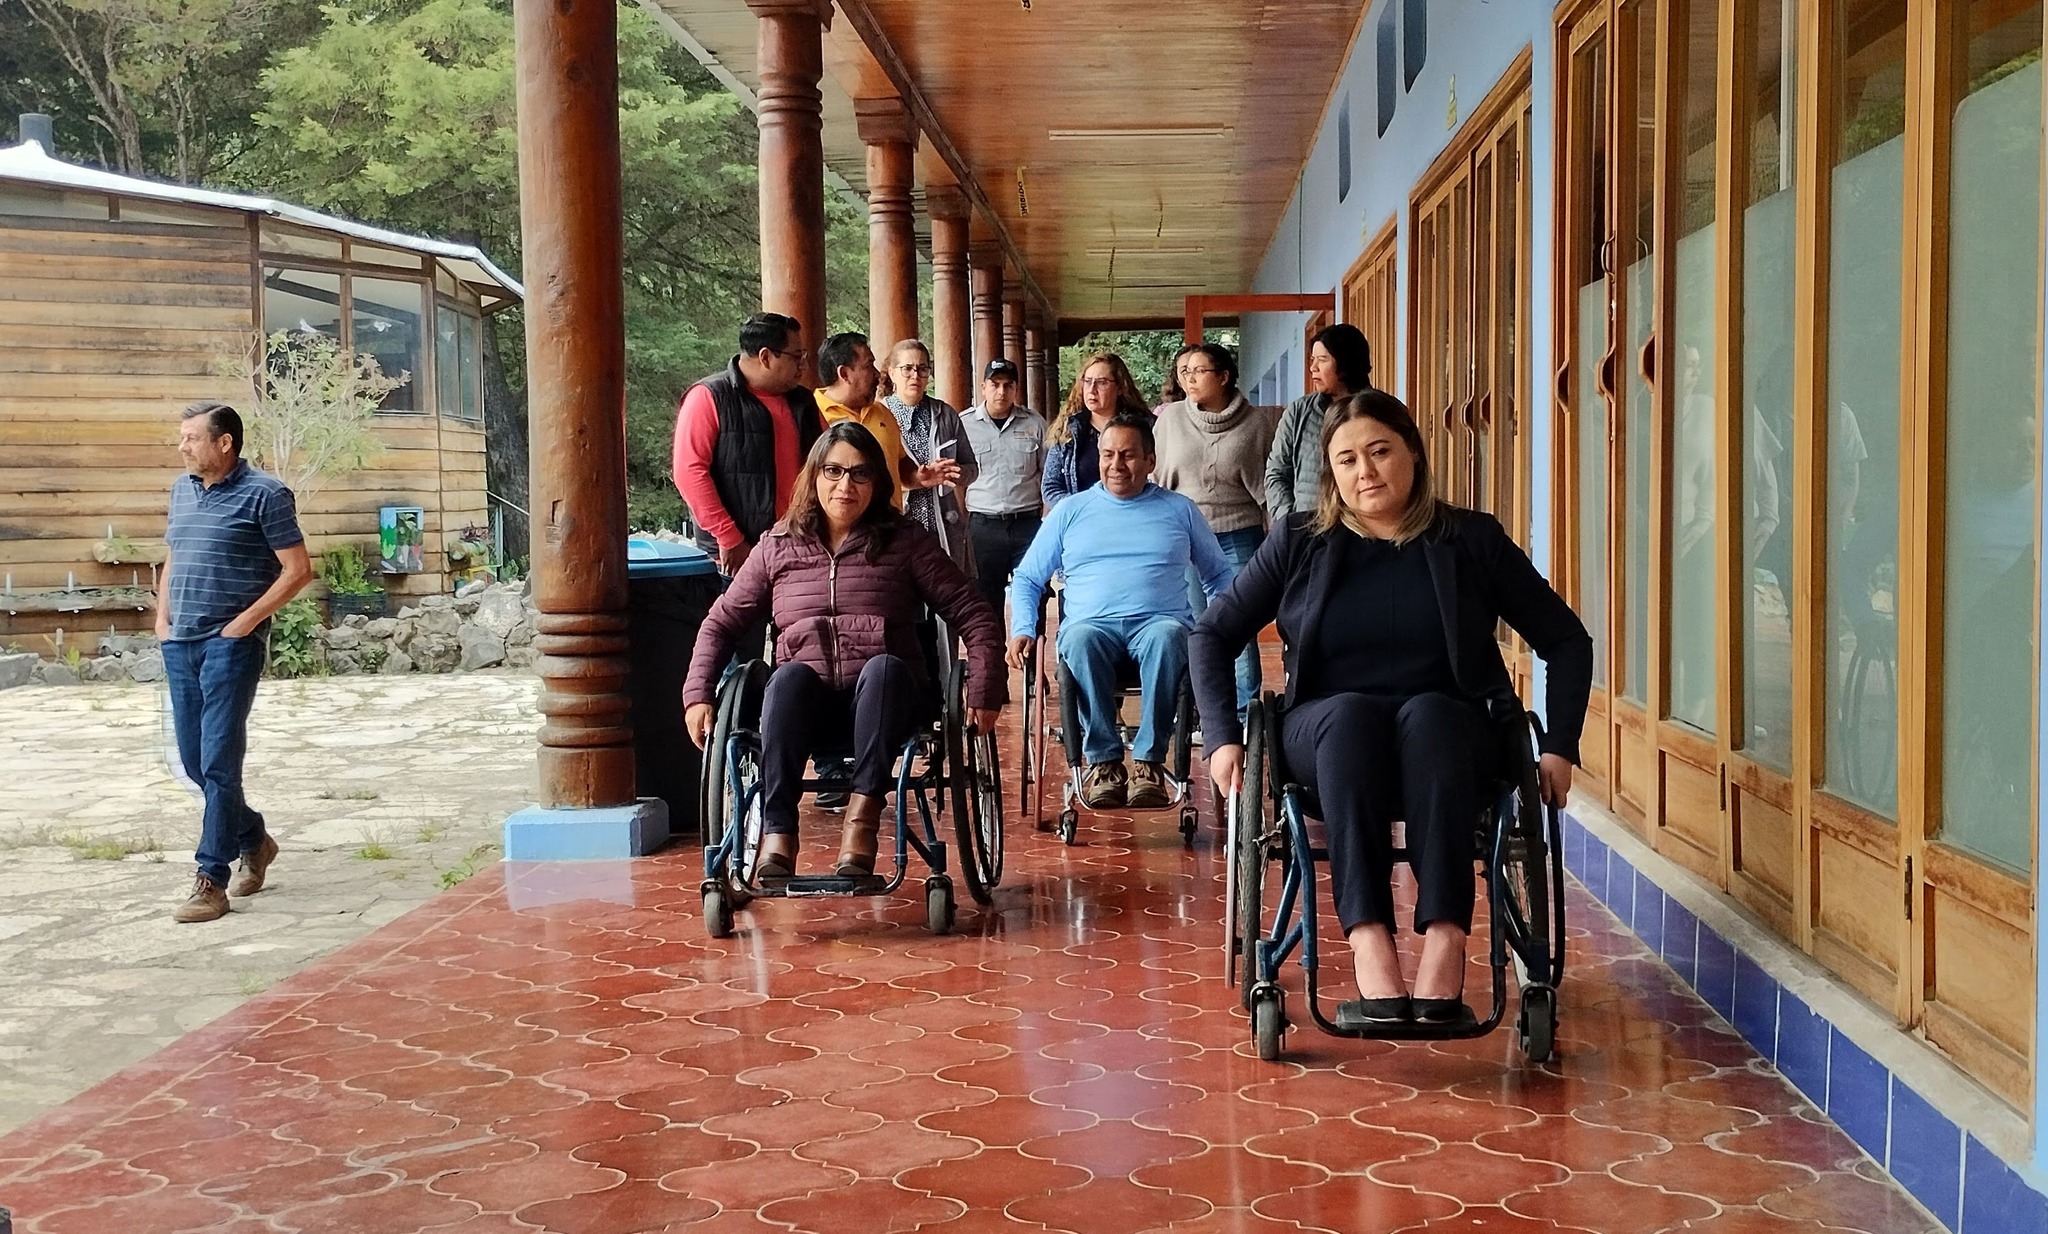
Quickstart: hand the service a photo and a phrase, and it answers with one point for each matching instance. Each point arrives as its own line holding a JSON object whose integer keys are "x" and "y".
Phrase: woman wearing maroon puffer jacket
{"x": 846, "y": 579}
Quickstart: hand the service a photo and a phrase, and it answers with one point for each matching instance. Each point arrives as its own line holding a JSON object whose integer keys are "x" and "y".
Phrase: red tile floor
{"x": 1070, "y": 1060}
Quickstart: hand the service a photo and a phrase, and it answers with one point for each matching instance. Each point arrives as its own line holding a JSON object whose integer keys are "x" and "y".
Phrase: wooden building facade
{"x": 118, "y": 299}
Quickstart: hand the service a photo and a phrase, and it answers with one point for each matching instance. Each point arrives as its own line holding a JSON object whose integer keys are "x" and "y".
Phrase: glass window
{"x": 1639, "y": 288}
{"x": 1590, "y": 280}
{"x": 388, "y": 325}
{"x": 301, "y": 301}
{"x": 1867, "y": 221}
{"x": 1994, "y": 380}
{"x": 1768, "y": 468}
{"x": 444, "y": 282}
{"x": 1384, "y": 45}
{"x": 472, "y": 368}
{"x": 374, "y": 255}
{"x": 447, "y": 360}
{"x": 1690, "y": 349}
{"x": 292, "y": 241}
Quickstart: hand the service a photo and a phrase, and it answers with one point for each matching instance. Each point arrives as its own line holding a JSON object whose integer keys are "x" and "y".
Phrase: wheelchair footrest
{"x": 806, "y": 885}
{"x": 1413, "y": 1030}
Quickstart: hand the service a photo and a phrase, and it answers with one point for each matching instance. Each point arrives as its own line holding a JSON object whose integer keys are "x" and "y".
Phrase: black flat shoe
{"x": 1367, "y": 1012}
{"x": 1441, "y": 1010}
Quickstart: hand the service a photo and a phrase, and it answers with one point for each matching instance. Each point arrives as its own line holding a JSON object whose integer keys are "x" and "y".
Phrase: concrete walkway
{"x": 379, "y": 791}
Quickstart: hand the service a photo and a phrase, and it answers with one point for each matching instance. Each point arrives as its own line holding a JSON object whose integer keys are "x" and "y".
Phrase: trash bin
{"x": 672, "y": 588}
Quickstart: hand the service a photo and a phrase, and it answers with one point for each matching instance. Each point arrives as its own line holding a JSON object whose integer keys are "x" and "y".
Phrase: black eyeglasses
{"x": 1196, "y": 372}
{"x": 835, "y": 472}
{"x": 797, "y": 355}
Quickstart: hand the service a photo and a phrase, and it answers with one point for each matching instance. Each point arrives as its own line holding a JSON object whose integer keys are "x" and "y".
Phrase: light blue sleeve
{"x": 1210, "y": 563}
{"x": 1034, "y": 574}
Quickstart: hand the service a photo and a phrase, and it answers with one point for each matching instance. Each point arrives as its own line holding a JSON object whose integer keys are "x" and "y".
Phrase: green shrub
{"x": 292, "y": 635}
{"x": 346, "y": 571}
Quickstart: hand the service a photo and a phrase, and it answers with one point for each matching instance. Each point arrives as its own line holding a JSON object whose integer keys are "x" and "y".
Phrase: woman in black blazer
{"x": 1388, "y": 600}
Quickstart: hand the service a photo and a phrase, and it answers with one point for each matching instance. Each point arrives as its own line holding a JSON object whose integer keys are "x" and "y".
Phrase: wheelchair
{"x": 1042, "y": 730}
{"x": 941, "y": 762}
{"x": 1523, "y": 865}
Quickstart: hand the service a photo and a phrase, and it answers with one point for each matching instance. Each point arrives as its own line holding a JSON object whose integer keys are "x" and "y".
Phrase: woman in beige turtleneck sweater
{"x": 1212, "y": 450}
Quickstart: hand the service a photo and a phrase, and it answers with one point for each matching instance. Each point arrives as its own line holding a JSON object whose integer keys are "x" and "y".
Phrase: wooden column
{"x": 988, "y": 308}
{"x": 1013, "y": 323}
{"x": 1033, "y": 393}
{"x": 891, "y": 138}
{"x": 573, "y": 249}
{"x": 952, "y": 355}
{"x": 792, "y": 164}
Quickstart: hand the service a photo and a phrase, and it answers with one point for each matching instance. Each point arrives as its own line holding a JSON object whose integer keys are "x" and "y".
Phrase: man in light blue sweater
{"x": 1125, "y": 547}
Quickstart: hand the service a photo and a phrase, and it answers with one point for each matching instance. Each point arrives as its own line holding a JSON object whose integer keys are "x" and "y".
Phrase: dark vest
{"x": 743, "y": 463}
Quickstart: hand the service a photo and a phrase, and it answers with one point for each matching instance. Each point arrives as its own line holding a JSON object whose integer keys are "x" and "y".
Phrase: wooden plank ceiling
{"x": 1109, "y": 228}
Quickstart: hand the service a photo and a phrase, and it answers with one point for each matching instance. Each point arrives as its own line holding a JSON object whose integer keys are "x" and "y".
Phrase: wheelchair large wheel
{"x": 726, "y": 780}
{"x": 974, "y": 784}
{"x": 1249, "y": 879}
{"x": 1027, "y": 742}
{"x": 1526, "y": 871}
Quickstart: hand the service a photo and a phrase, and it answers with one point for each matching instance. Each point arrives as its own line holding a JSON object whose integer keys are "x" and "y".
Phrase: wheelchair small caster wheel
{"x": 938, "y": 905}
{"x": 717, "y": 912}
{"x": 1189, "y": 821}
{"x": 1268, "y": 1019}
{"x": 1536, "y": 1023}
{"x": 1070, "y": 827}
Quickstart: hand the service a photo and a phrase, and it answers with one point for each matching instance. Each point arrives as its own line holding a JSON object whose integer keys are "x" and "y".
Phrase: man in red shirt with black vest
{"x": 741, "y": 437}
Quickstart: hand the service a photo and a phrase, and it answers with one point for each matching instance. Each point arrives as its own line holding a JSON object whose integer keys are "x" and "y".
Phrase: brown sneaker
{"x": 1148, "y": 786}
{"x": 1102, "y": 786}
{"x": 208, "y": 902}
{"x": 248, "y": 880}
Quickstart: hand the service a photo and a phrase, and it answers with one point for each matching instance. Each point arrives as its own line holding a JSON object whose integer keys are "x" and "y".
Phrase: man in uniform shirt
{"x": 236, "y": 557}
{"x": 1003, "y": 503}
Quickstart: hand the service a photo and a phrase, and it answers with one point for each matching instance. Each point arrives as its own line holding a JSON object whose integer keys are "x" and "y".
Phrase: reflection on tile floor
{"x": 1070, "y": 1060}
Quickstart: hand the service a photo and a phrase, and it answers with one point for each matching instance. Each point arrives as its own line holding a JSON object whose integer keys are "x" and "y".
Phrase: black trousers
{"x": 1371, "y": 759}
{"x": 999, "y": 544}
{"x": 800, "y": 714}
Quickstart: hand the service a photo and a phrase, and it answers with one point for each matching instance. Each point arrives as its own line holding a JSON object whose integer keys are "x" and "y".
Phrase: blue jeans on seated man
{"x": 1093, "y": 651}
{"x": 1239, "y": 547}
{"x": 213, "y": 684}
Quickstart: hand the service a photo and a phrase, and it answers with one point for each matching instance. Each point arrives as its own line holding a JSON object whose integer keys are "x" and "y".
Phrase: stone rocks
{"x": 101, "y": 668}
{"x": 435, "y": 653}
{"x": 146, "y": 666}
{"x": 444, "y": 621}
{"x": 380, "y": 628}
{"x": 499, "y": 612}
{"x": 125, "y": 644}
{"x": 521, "y": 657}
{"x": 481, "y": 648}
{"x": 475, "y": 587}
{"x": 56, "y": 673}
{"x": 18, "y": 669}
{"x": 395, "y": 663}
{"x": 343, "y": 663}
{"x": 434, "y": 602}
{"x": 520, "y": 635}
{"x": 343, "y": 638}
{"x": 356, "y": 621}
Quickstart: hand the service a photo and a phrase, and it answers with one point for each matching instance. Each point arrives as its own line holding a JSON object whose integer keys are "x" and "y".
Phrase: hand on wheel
{"x": 982, "y": 719}
{"x": 1554, "y": 778}
{"x": 1226, "y": 769}
{"x": 697, "y": 718}
{"x": 1020, "y": 646}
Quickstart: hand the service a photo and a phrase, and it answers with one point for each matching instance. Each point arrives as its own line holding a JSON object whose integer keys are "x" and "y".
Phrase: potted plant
{"x": 350, "y": 587}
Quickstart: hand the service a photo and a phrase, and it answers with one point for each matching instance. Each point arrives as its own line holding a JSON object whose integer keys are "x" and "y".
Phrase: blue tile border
{"x": 1967, "y": 1187}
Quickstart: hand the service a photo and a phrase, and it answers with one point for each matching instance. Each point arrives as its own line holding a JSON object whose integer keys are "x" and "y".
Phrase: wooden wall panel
{"x": 106, "y": 330}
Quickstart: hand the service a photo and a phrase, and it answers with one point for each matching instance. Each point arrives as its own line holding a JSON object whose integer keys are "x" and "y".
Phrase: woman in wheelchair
{"x": 1388, "y": 600}
{"x": 845, "y": 579}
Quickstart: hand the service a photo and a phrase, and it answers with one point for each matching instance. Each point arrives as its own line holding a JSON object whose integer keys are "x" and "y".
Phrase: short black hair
{"x": 840, "y": 351}
{"x": 1141, "y": 425}
{"x": 767, "y": 332}
{"x": 221, "y": 420}
{"x": 1347, "y": 346}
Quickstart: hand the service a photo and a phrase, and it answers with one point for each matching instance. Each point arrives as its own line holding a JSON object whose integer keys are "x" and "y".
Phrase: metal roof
{"x": 29, "y": 163}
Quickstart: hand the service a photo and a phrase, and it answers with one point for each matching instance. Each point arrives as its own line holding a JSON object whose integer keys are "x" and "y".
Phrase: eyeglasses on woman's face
{"x": 836, "y": 472}
{"x": 1098, "y": 383}
{"x": 914, "y": 370}
{"x": 1186, "y": 372}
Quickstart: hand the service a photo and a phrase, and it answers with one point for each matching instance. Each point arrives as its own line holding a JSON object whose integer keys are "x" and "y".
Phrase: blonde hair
{"x": 1128, "y": 399}
{"x": 1384, "y": 409}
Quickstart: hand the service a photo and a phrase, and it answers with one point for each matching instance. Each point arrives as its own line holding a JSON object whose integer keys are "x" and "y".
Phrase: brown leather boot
{"x": 857, "y": 842}
{"x": 207, "y": 903}
{"x": 255, "y": 865}
{"x": 775, "y": 862}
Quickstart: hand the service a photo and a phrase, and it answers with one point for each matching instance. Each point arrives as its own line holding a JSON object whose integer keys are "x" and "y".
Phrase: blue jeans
{"x": 1093, "y": 651}
{"x": 213, "y": 683}
{"x": 1238, "y": 547}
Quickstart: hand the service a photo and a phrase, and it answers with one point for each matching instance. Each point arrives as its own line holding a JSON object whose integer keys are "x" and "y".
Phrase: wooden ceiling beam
{"x": 863, "y": 22}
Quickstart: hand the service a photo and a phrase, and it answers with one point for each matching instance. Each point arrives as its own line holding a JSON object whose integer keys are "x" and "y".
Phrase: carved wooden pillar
{"x": 988, "y": 309}
{"x": 891, "y": 139}
{"x": 1013, "y": 323}
{"x": 792, "y": 164}
{"x": 952, "y": 355}
{"x": 1033, "y": 392}
{"x": 568, "y": 94}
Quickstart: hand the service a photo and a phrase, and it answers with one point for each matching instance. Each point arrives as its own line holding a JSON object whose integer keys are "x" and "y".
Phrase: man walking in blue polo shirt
{"x": 237, "y": 556}
{"x": 1125, "y": 547}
